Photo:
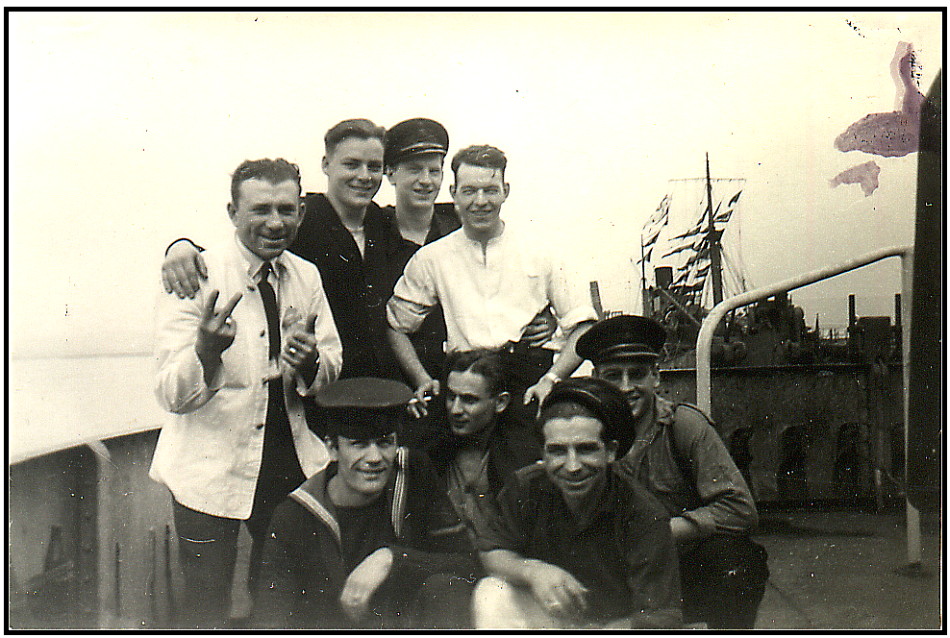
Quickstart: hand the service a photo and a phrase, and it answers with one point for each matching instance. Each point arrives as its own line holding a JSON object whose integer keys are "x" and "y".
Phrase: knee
{"x": 493, "y": 604}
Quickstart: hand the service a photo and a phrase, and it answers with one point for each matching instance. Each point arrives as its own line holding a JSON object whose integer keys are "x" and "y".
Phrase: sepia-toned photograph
{"x": 445, "y": 319}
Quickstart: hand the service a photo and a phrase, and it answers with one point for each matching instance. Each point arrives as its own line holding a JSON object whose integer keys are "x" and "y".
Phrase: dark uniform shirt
{"x": 624, "y": 554}
{"x": 508, "y": 450}
{"x": 682, "y": 461}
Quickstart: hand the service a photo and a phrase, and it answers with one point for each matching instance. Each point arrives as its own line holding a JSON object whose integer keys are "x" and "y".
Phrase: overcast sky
{"x": 124, "y": 128}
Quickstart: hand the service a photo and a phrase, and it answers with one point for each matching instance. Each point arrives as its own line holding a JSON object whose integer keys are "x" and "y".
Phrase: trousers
{"x": 723, "y": 580}
{"x": 207, "y": 544}
{"x": 524, "y": 366}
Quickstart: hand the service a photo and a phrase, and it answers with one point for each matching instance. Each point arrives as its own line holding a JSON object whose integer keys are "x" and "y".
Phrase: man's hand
{"x": 300, "y": 349}
{"x": 541, "y": 329}
{"x": 539, "y": 391}
{"x": 363, "y": 582}
{"x": 215, "y": 333}
{"x": 557, "y": 591}
{"x": 419, "y": 405}
{"x": 182, "y": 268}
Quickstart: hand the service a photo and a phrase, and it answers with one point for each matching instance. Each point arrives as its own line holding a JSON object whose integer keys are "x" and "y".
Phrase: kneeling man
{"x": 574, "y": 544}
{"x": 679, "y": 457}
{"x": 370, "y": 542}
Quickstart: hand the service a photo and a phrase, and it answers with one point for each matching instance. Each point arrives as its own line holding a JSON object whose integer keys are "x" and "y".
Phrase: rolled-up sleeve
{"x": 413, "y": 298}
{"x": 180, "y": 382}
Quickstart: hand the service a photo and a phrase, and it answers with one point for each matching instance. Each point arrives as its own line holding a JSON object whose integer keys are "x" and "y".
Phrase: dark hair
{"x": 487, "y": 364}
{"x": 359, "y": 128}
{"x": 594, "y": 397}
{"x": 480, "y": 155}
{"x": 274, "y": 171}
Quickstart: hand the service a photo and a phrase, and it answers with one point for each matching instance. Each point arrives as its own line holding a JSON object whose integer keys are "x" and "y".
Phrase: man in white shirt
{"x": 237, "y": 441}
{"x": 491, "y": 283}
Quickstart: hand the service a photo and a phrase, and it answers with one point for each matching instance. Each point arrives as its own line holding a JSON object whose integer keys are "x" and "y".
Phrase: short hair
{"x": 359, "y": 128}
{"x": 273, "y": 171}
{"x": 487, "y": 364}
{"x": 480, "y": 155}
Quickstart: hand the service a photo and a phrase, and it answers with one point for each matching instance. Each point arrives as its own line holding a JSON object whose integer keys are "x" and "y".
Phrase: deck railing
{"x": 705, "y": 338}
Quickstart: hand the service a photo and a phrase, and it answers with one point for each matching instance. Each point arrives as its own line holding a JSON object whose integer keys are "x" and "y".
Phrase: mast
{"x": 645, "y": 310}
{"x": 715, "y": 260}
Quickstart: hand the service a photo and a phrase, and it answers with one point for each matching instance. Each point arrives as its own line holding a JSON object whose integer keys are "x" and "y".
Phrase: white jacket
{"x": 209, "y": 451}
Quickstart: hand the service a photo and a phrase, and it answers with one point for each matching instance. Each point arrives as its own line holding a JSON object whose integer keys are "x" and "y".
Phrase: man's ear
{"x": 232, "y": 211}
{"x": 452, "y": 190}
{"x": 330, "y": 442}
{"x": 389, "y": 173}
{"x": 507, "y": 189}
{"x": 325, "y": 163}
{"x": 655, "y": 371}
{"x": 502, "y": 401}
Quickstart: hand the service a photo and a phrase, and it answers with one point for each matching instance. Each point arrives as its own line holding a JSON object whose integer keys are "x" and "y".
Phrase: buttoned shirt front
{"x": 489, "y": 293}
{"x": 209, "y": 451}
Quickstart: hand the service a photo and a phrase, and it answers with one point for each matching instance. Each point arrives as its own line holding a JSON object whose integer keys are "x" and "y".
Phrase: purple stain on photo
{"x": 892, "y": 134}
{"x": 864, "y": 174}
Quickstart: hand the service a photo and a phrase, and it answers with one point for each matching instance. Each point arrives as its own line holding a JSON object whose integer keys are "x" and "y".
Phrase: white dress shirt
{"x": 489, "y": 295}
{"x": 209, "y": 450}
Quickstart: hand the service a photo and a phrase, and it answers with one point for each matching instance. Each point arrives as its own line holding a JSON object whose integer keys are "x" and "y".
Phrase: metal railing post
{"x": 704, "y": 347}
{"x": 912, "y": 514}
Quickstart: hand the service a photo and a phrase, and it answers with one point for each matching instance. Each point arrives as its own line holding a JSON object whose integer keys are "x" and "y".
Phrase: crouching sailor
{"x": 370, "y": 542}
{"x": 575, "y": 544}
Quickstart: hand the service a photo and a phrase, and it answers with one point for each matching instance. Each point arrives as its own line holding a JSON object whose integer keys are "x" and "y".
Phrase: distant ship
{"x": 691, "y": 259}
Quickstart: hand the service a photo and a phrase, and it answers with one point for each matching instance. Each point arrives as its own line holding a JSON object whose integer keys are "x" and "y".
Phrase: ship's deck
{"x": 847, "y": 570}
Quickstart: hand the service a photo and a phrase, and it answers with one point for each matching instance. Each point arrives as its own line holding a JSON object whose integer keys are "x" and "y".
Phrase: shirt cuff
{"x": 199, "y": 248}
{"x": 702, "y": 519}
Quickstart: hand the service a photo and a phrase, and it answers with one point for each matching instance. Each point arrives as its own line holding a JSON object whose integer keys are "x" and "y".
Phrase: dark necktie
{"x": 280, "y": 469}
{"x": 270, "y": 309}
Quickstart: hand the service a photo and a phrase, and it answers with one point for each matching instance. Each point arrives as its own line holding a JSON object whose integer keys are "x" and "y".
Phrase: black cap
{"x": 363, "y": 407}
{"x": 602, "y": 399}
{"x": 413, "y": 137}
{"x": 622, "y": 337}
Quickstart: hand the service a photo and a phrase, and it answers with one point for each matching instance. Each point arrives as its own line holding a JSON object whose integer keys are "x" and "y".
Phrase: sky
{"x": 125, "y": 126}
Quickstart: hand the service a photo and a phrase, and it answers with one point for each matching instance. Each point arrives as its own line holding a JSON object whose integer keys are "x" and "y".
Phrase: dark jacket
{"x": 509, "y": 450}
{"x": 357, "y": 286}
{"x": 302, "y": 571}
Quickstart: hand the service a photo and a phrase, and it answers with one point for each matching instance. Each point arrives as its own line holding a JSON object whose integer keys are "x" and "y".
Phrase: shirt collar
{"x": 601, "y": 507}
{"x": 254, "y": 263}
{"x": 491, "y": 242}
